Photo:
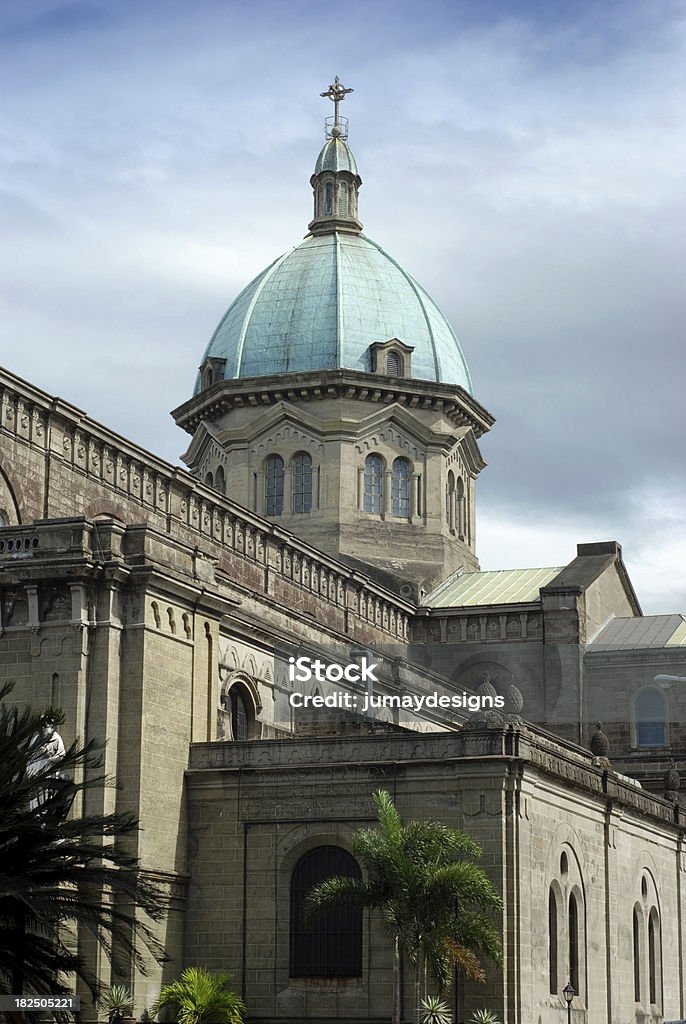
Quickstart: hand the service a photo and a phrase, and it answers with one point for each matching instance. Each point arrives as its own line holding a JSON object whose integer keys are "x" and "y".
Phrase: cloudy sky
{"x": 523, "y": 160}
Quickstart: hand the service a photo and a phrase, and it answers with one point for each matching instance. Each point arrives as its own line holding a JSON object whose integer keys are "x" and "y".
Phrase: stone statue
{"x": 48, "y": 750}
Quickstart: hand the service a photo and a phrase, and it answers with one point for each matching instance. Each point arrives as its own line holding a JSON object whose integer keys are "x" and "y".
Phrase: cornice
{"x": 457, "y": 404}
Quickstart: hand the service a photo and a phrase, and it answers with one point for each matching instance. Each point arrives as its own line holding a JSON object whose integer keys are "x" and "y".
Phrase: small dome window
{"x": 394, "y": 364}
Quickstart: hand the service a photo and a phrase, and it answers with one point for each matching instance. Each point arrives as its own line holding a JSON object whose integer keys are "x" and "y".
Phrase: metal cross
{"x": 337, "y": 93}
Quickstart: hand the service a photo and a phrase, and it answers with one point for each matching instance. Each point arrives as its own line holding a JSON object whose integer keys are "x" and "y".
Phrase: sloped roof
{"x": 647, "y": 631}
{"x": 496, "y": 586}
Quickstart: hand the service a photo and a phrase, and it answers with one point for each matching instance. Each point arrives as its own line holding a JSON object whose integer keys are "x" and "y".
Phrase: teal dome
{"x": 335, "y": 156}
{"x": 323, "y": 304}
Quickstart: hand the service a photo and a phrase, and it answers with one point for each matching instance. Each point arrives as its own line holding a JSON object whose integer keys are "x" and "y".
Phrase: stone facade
{"x": 337, "y": 419}
{"x": 139, "y": 599}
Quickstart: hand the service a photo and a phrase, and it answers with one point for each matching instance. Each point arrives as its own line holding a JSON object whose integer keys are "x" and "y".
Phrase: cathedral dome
{"x": 324, "y": 304}
{"x": 327, "y": 302}
{"x": 336, "y": 156}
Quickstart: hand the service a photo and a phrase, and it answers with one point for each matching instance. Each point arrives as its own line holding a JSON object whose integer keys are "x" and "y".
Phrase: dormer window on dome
{"x": 392, "y": 358}
{"x": 211, "y": 371}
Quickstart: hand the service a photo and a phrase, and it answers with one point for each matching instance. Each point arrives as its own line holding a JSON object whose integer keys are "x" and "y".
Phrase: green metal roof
{"x": 636, "y": 633}
{"x": 678, "y": 637}
{"x": 336, "y": 156}
{"x": 323, "y": 304}
{"x": 497, "y": 586}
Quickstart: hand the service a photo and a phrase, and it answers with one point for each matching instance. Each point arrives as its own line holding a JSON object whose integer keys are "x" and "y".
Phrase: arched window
{"x": 329, "y": 199}
{"x": 650, "y": 719}
{"x": 274, "y": 486}
{"x": 552, "y": 941}
{"x": 574, "y": 943}
{"x": 373, "y": 484}
{"x": 209, "y": 480}
{"x": 460, "y": 516}
{"x": 3, "y": 519}
{"x": 394, "y": 365}
{"x": 654, "y": 959}
{"x": 240, "y": 714}
{"x": 400, "y": 488}
{"x": 343, "y": 199}
{"x": 329, "y": 945}
{"x": 450, "y": 501}
{"x": 220, "y": 480}
{"x": 302, "y": 483}
{"x": 637, "y": 957}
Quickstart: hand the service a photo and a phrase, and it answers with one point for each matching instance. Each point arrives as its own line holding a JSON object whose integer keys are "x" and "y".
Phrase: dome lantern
{"x": 336, "y": 181}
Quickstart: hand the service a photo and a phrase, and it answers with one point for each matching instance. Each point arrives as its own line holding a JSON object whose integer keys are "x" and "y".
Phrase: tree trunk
{"x": 396, "y": 981}
{"x": 418, "y": 989}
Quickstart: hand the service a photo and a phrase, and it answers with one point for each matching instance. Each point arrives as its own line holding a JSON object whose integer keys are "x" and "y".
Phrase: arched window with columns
{"x": 460, "y": 509}
{"x": 302, "y": 482}
{"x": 637, "y": 954}
{"x": 450, "y": 501}
{"x": 373, "y": 484}
{"x": 273, "y": 486}
{"x": 553, "y": 926}
{"x": 400, "y": 488}
{"x": 654, "y": 960}
{"x": 573, "y": 936}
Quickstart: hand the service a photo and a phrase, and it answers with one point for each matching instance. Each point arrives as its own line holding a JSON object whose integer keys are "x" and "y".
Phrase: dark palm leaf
{"x": 58, "y": 871}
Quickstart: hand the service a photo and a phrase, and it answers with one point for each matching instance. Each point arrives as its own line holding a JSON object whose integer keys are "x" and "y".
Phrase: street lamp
{"x": 569, "y": 993}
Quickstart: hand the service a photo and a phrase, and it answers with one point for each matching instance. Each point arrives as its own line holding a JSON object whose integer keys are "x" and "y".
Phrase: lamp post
{"x": 569, "y": 993}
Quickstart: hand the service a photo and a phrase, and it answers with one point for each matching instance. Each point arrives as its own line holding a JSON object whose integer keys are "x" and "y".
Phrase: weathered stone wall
{"x": 60, "y": 463}
{"x": 524, "y": 796}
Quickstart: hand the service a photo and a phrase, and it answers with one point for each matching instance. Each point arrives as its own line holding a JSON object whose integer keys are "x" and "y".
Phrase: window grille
{"x": 373, "y": 484}
{"x": 302, "y": 483}
{"x": 552, "y": 940}
{"x": 650, "y": 719}
{"x": 394, "y": 365}
{"x": 240, "y": 717}
{"x": 274, "y": 486}
{"x": 637, "y": 958}
{"x": 574, "y": 943}
{"x": 328, "y": 945}
{"x": 400, "y": 488}
{"x": 654, "y": 958}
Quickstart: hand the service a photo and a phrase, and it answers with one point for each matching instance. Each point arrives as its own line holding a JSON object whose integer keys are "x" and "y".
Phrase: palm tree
{"x": 202, "y": 997}
{"x": 432, "y": 895}
{"x": 59, "y": 872}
